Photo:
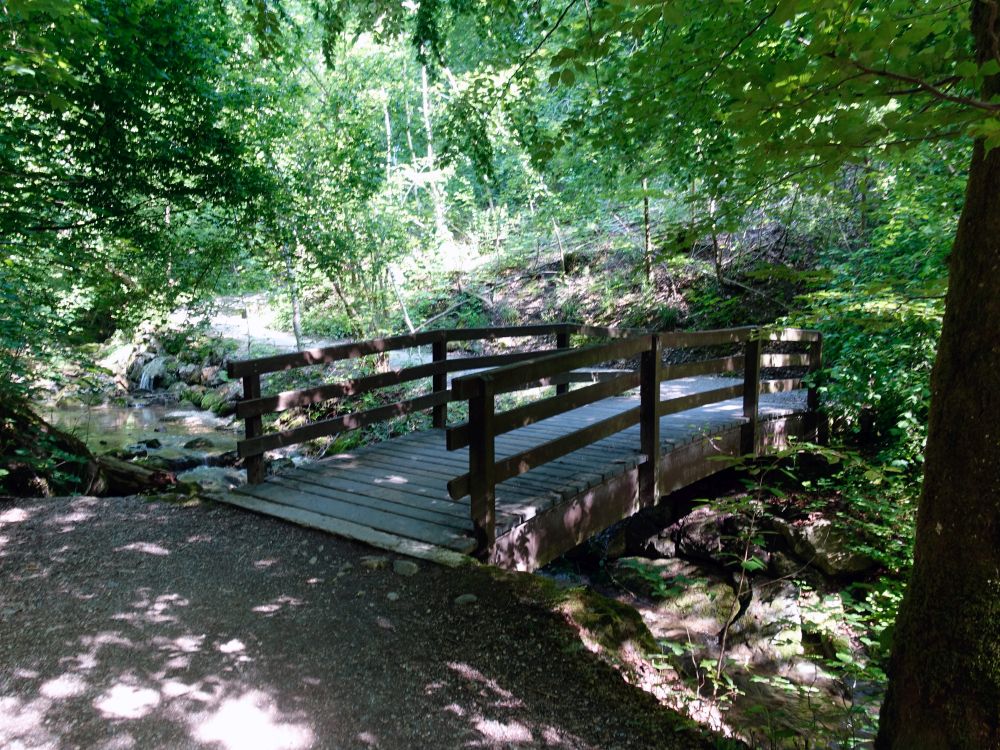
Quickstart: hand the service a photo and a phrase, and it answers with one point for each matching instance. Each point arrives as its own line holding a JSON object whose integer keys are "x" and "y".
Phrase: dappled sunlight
{"x": 277, "y": 605}
{"x": 506, "y": 699}
{"x": 505, "y": 732}
{"x": 157, "y": 610}
{"x": 250, "y": 720}
{"x": 144, "y": 547}
{"x": 392, "y": 479}
{"x": 127, "y": 702}
{"x": 64, "y": 686}
{"x": 15, "y": 515}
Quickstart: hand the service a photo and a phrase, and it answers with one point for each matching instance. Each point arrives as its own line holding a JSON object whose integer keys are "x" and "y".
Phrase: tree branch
{"x": 757, "y": 27}
{"x": 925, "y": 86}
{"x": 537, "y": 47}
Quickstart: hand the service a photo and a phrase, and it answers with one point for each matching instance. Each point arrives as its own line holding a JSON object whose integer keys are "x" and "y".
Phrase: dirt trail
{"x": 129, "y": 623}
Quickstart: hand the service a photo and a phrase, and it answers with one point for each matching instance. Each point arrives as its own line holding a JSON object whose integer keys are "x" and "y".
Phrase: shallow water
{"x": 109, "y": 428}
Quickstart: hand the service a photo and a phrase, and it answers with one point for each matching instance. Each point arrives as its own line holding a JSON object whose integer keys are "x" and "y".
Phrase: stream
{"x": 190, "y": 442}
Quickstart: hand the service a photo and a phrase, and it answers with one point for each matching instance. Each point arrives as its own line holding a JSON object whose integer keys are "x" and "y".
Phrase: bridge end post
{"x": 439, "y": 355}
{"x": 254, "y": 428}
{"x": 482, "y": 466}
{"x": 649, "y": 422}
{"x": 821, "y": 426}
{"x": 562, "y": 342}
{"x": 751, "y": 392}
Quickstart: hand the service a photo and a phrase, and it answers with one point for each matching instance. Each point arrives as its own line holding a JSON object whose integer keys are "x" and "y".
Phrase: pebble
{"x": 405, "y": 567}
{"x": 374, "y": 562}
{"x": 392, "y": 596}
{"x": 466, "y": 599}
{"x": 312, "y": 560}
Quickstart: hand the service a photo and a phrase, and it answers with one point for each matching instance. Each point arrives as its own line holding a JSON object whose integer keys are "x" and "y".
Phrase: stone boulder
{"x": 824, "y": 544}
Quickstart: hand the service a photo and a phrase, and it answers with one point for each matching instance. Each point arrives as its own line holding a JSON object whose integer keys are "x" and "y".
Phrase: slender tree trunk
{"x": 944, "y": 677}
{"x": 388, "y": 136}
{"x": 396, "y": 288}
{"x": 562, "y": 250}
{"x": 293, "y": 293}
{"x": 437, "y": 196}
{"x": 647, "y": 244}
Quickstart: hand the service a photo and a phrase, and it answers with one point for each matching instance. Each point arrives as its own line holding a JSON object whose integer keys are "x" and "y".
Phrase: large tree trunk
{"x": 944, "y": 678}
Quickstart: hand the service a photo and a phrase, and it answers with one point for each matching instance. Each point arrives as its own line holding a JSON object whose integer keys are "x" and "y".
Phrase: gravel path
{"x": 128, "y": 623}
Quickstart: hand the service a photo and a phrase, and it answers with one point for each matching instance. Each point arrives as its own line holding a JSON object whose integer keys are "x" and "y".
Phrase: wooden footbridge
{"x": 547, "y": 446}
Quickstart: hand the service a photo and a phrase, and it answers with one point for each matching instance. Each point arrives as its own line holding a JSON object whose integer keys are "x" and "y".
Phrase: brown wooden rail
{"x": 255, "y": 405}
{"x": 485, "y": 423}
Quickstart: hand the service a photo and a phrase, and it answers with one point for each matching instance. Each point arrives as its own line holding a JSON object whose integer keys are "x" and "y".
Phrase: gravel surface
{"x": 132, "y": 623}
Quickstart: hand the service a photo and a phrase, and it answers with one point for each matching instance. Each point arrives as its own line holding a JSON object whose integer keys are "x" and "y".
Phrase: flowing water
{"x": 162, "y": 432}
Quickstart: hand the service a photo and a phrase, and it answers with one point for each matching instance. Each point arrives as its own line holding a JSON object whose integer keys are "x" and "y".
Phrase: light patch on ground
{"x": 251, "y": 720}
{"x": 127, "y": 702}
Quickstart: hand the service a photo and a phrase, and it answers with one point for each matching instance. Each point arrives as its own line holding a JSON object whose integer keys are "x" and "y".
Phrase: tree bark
{"x": 944, "y": 675}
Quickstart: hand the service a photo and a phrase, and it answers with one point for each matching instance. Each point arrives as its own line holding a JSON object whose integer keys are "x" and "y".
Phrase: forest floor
{"x": 138, "y": 622}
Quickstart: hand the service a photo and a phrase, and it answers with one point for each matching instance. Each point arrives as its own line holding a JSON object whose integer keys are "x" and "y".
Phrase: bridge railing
{"x": 479, "y": 433}
{"x": 255, "y": 405}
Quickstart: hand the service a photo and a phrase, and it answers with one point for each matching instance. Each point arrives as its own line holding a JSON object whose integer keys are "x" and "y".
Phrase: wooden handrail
{"x": 254, "y": 405}
{"x": 548, "y": 365}
{"x": 358, "y": 386}
{"x": 522, "y": 416}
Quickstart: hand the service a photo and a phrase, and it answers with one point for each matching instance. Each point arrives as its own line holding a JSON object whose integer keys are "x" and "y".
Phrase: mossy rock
{"x": 607, "y": 622}
{"x": 212, "y": 401}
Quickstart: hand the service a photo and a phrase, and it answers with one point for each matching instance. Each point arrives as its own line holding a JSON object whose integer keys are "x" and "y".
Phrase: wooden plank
{"x": 376, "y": 498}
{"x": 253, "y": 430}
{"x": 780, "y": 386}
{"x": 454, "y": 557}
{"x": 784, "y": 360}
{"x": 560, "y": 528}
{"x": 688, "y": 339}
{"x": 326, "y": 355}
{"x": 360, "y": 482}
{"x": 439, "y": 353}
{"x": 459, "y": 464}
{"x": 522, "y": 416}
{"x": 356, "y": 386}
{"x": 529, "y": 459}
{"x": 563, "y": 342}
{"x": 609, "y": 333}
{"x": 701, "y": 398}
{"x": 649, "y": 422}
{"x": 792, "y": 334}
{"x": 429, "y": 477}
{"x": 482, "y": 468}
{"x": 815, "y": 363}
{"x": 317, "y": 502}
{"x": 702, "y": 367}
{"x": 505, "y": 332}
{"x": 545, "y": 366}
{"x": 258, "y": 445}
{"x": 751, "y": 394}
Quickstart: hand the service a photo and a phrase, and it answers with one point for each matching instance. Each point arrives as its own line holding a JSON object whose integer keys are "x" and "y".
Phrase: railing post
{"x": 649, "y": 422}
{"x": 254, "y": 428}
{"x": 439, "y": 354}
{"x": 815, "y": 365}
{"x": 751, "y": 392}
{"x": 562, "y": 342}
{"x": 820, "y": 425}
{"x": 482, "y": 466}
